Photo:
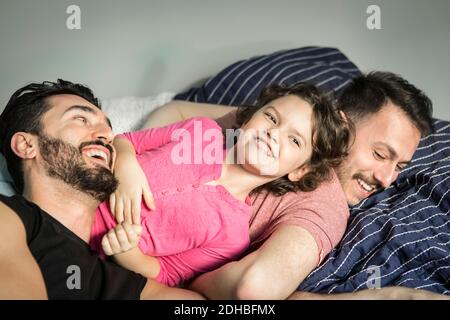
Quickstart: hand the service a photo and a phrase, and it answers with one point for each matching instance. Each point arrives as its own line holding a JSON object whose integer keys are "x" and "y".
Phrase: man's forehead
{"x": 63, "y": 103}
{"x": 391, "y": 129}
{"x": 389, "y": 118}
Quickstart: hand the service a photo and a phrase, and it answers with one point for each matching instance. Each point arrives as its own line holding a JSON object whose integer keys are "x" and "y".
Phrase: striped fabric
{"x": 241, "y": 82}
{"x": 400, "y": 236}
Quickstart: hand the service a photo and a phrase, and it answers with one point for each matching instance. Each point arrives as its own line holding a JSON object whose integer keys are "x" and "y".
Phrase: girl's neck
{"x": 238, "y": 181}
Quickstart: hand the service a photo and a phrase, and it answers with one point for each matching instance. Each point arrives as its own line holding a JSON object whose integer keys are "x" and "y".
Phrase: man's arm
{"x": 273, "y": 271}
{"x": 20, "y": 276}
{"x": 176, "y": 110}
{"x": 387, "y": 293}
{"x": 157, "y": 291}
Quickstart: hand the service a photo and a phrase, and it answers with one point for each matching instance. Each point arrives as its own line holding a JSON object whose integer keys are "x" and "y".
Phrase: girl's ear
{"x": 343, "y": 115}
{"x": 298, "y": 173}
{"x": 24, "y": 145}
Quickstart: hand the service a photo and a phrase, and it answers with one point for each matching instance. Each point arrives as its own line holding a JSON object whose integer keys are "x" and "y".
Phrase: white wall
{"x": 145, "y": 47}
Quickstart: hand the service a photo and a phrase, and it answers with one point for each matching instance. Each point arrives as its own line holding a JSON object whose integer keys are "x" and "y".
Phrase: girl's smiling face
{"x": 277, "y": 140}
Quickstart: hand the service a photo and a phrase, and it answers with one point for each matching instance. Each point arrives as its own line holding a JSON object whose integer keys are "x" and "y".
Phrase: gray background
{"x": 145, "y": 47}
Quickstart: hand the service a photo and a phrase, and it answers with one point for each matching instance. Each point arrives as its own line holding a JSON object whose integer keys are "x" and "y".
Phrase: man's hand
{"x": 122, "y": 238}
{"x": 273, "y": 271}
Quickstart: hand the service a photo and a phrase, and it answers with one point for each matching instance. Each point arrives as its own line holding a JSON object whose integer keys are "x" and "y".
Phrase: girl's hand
{"x": 125, "y": 202}
{"x": 122, "y": 238}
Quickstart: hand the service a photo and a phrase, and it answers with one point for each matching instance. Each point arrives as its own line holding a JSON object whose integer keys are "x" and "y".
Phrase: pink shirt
{"x": 196, "y": 227}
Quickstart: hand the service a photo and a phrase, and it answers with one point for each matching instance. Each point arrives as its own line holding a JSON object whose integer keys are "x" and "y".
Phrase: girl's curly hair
{"x": 330, "y": 137}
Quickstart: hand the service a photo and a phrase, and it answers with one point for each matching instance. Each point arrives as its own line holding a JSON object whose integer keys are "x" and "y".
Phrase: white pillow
{"x": 129, "y": 113}
{"x": 6, "y": 184}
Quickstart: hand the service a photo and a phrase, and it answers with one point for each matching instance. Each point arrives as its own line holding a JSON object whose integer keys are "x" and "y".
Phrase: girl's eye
{"x": 295, "y": 141}
{"x": 272, "y": 118}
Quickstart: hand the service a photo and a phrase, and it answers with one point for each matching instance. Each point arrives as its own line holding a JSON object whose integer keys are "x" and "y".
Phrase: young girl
{"x": 201, "y": 209}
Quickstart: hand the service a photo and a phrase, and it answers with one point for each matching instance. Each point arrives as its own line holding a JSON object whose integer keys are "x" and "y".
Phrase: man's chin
{"x": 354, "y": 197}
{"x": 359, "y": 193}
{"x": 98, "y": 196}
{"x": 63, "y": 161}
{"x": 353, "y": 202}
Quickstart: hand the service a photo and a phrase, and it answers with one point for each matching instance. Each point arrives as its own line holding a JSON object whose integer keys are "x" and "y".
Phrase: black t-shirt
{"x": 71, "y": 270}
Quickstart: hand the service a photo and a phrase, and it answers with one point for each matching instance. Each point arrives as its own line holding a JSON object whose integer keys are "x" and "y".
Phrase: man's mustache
{"x": 99, "y": 143}
{"x": 371, "y": 182}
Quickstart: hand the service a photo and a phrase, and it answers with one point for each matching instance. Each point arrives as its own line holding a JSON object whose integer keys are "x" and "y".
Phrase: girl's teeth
{"x": 264, "y": 146}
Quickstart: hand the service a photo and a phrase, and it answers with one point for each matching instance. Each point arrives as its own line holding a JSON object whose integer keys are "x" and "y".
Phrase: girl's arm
{"x": 121, "y": 243}
{"x": 148, "y": 139}
{"x": 125, "y": 237}
{"x": 138, "y": 262}
{"x": 125, "y": 202}
{"x": 177, "y": 110}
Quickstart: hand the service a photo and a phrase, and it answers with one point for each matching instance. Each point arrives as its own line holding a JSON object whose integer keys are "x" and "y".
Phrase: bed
{"x": 400, "y": 236}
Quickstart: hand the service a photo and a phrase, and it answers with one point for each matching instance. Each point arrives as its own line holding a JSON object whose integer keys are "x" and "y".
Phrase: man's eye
{"x": 378, "y": 155}
{"x": 81, "y": 118}
{"x": 400, "y": 168}
{"x": 272, "y": 118}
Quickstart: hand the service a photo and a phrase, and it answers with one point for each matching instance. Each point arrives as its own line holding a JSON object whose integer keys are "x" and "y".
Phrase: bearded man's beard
{"x": 65, "y": 162}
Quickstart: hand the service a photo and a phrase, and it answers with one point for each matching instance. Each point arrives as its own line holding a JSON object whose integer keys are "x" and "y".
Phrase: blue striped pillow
{"x": 241, "y": 82}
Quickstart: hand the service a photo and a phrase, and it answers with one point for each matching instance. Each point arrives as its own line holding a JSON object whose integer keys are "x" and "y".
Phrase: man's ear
{"x": 24, "y": 145}
{"x": 298, "y": 173}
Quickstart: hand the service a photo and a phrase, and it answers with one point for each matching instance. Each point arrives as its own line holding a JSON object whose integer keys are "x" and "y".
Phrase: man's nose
{"x": 103, "y": 132}
{"x": 385, "y": 175}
